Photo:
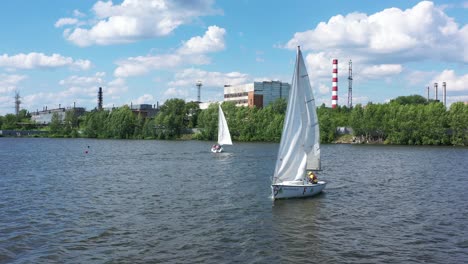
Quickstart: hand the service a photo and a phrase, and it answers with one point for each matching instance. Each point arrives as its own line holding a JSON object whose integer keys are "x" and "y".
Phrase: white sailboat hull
{"x": 217, "y": 150}
{"x": 291, "y": 190}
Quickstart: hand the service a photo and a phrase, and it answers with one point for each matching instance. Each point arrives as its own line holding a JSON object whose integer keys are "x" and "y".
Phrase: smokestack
{"x": 428, "y": 93}
{"x": 335, "y": 83}
{"x": 100, "y": 99}
{"x": 444, "y": 93}
{"x": 435, "y": 91}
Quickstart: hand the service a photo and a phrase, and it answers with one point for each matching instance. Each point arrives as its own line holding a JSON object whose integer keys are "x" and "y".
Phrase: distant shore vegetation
{"x": 405, "y": 120}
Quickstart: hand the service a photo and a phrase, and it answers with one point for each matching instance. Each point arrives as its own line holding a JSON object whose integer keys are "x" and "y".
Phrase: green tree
{"x": 208, "y": 123}
{"x": 9, "y": 122}
{"x": 148, "y": 129}
{"x": 192, "y": 110}
{"x": 96, "y": 124}
{"x": 121, "y": 123}
{"x": 170, "y": 119}
{"x": 70, "y": 123}
{"x": 55, "y": 126}
{"x": 139, "y": 124}
{"x": 458, "y": 122}
{"x": 411, "y": 99}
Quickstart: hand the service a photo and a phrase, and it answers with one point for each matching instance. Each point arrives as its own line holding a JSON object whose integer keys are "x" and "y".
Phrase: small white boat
{"x": 224, "y": 137}
{"x": 299, "y": 150}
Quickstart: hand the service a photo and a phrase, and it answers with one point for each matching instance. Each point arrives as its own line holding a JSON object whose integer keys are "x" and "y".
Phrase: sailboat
{"x": 224, "y": 137}
{"x": 299, "y": 150}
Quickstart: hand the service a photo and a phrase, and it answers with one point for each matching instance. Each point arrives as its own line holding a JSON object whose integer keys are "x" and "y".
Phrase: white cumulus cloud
{"x": 134, "y": 20}
{"x": 379, "y": 71}
{"x": 84, "y": 80}
{"x": 422, "y": 32}
{"x": 144, "y": 99}
{"x": 9, "y": 83}
{"x": 175, "y": 92}
{"x": 453, "y": 81}
{"x": 66, "y": 21}
{"x": 191, "y": 52}
{"x": 36, "y": 60}
{"x": 212, "y": 41}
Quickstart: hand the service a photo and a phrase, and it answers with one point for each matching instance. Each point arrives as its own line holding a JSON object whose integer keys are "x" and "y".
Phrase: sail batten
{"x": 299, "y": 148}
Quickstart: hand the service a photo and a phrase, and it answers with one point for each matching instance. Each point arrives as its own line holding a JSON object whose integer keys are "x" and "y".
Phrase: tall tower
{"x": 100, "y": 99}
{"x": 350, "y": 85}
{"x": 435, "y": 91}
{"x": 428, "y": 93}
{"x": 199, "y": 85}
{"x": 17, "y": 103}
{"x": 335, "y": 84}
{"x": 444, "y": 93}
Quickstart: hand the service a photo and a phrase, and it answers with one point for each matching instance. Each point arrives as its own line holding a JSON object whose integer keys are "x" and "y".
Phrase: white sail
{"x": 299, "y": 147}
{"x": 224, "y": 137}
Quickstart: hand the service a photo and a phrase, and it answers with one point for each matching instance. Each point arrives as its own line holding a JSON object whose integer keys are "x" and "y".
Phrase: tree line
{"x": 405, "y": 120}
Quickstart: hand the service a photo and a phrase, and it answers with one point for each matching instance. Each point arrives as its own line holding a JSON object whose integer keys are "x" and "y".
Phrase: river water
{"x": 124, "y": 201}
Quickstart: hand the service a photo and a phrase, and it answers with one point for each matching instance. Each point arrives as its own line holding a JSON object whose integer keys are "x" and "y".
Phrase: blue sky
{"x": 59, "y": 52}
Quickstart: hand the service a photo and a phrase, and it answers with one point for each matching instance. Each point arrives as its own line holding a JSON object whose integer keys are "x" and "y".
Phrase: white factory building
{"x": 258, "y": 94}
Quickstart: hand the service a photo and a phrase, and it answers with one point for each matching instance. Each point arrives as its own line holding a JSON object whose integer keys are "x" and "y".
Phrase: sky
{"x": 58, "y": 53}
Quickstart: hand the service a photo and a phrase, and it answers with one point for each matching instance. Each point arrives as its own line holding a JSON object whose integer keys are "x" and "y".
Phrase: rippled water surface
{"x": 176, "y": 202}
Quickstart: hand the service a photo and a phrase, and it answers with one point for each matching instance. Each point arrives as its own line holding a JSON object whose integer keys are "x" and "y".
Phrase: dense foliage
{"x": 22, "y": 121}
{"x": 245, "y": 124}
{"x": 407, "y": 120}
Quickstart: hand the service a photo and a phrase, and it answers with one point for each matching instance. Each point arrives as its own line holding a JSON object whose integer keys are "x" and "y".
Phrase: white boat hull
{"x": 284, "y": 191}
{"x": 217, "y": 150}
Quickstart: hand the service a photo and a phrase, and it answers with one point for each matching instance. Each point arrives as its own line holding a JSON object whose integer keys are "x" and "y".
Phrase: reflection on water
{"x": 176, "y": 202}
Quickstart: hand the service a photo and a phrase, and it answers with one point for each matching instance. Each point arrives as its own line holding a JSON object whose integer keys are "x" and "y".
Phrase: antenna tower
{"x": 350, "y": 85}
{"x": 199, "y": 85}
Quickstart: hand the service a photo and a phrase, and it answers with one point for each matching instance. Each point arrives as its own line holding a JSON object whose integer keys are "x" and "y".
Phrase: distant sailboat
{"x": 224, "y": 137}
{"x": 299, "y": 150}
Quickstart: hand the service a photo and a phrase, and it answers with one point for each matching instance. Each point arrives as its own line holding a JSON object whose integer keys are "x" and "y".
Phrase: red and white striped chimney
{"x": 335, "y": 84}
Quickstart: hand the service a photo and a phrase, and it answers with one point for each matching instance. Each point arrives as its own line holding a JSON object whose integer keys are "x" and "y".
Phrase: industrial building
{"x": 44, "y": 117}
{"x": 145, "y": 110}
{"x": 257, "y": 94}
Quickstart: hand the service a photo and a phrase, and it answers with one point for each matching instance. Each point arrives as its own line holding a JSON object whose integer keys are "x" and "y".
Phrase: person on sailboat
{"x": 312, "y": 177}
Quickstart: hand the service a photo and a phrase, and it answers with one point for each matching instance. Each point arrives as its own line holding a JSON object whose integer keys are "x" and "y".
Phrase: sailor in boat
{"x": 312, "y": 177}
{"x": 216, "y": 147}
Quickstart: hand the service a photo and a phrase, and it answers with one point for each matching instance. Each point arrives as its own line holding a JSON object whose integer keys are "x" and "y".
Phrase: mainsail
{"x": 224, "y": 137}
{"x": 299, "y": 148}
